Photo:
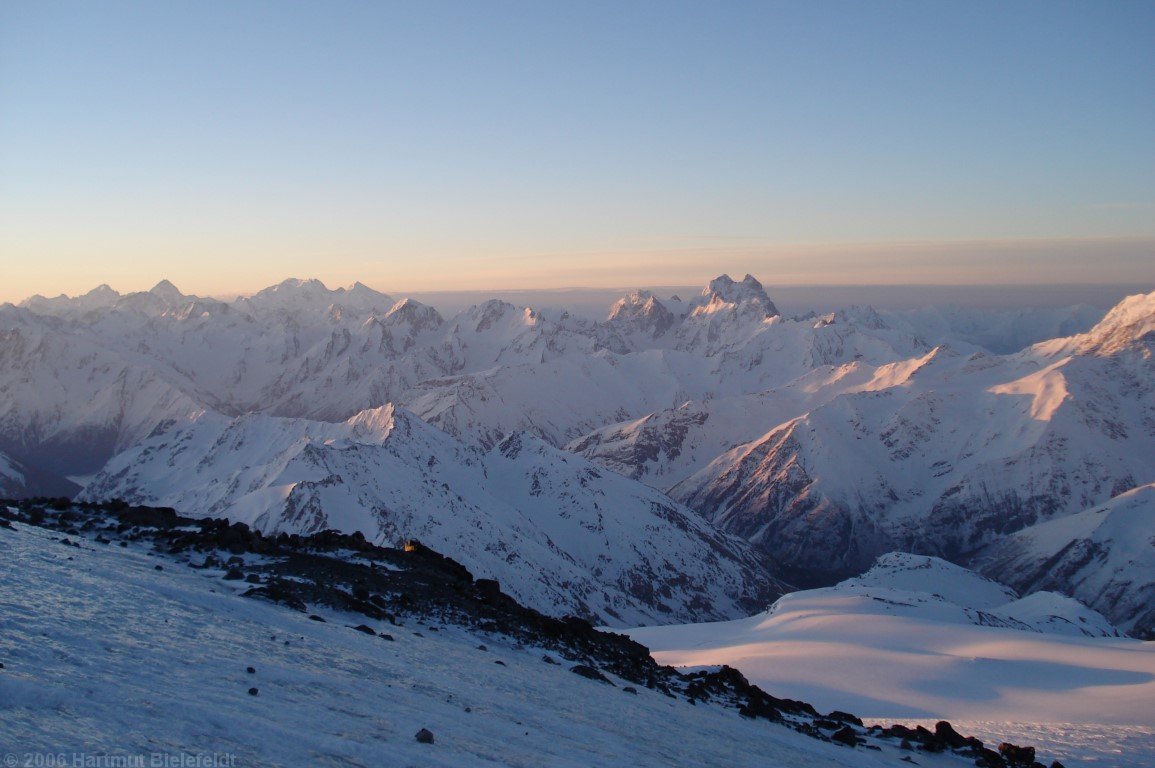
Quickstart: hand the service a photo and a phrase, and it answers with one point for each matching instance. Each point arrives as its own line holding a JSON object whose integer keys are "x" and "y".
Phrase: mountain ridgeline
{"x": 669, "y": 463}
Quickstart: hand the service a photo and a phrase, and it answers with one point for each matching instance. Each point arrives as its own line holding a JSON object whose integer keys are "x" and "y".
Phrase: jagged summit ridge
{"x": 1131, "y": 321}
{"x": 641, "y": 312}
{"x": 746, "y": 295}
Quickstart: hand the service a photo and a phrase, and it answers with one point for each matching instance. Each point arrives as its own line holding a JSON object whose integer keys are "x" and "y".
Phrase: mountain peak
{"x": 641, "y": 311}
{"x": 104, "y": 290}
{"x": 1128, "y": 322}
{"x": 415, "y": 314}
{"x": 748, "y": 294}
{"x": 167, "y": 291}
{"x": 724, "y": 289}
{"x": 296, "y": 284}
{"x": 923, "y": 573}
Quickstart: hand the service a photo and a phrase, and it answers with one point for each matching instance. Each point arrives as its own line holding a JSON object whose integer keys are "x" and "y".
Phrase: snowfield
{"x": 912, "y": 640}
{"x": 105, "y": 654}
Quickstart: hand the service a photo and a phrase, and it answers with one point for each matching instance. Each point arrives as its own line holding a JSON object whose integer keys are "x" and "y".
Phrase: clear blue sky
{"x": 227, "y": 145}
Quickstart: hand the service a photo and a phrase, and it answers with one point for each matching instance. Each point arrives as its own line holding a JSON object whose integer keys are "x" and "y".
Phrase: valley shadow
{"x": 984, "y": 679}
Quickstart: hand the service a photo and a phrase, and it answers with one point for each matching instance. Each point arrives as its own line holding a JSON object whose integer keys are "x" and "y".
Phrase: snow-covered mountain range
{"x": 946, "y": 453}
{"x": 824, "y": 441}
{"x": 558, "y": 532}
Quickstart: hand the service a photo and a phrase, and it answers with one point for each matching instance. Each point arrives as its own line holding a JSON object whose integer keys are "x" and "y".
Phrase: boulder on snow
{"x": 590, "y": 673}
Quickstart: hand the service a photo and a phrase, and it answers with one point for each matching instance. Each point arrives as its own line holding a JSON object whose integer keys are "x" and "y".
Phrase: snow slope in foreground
{"x": 103, "y": 654}
{"x": 889, "y": 652}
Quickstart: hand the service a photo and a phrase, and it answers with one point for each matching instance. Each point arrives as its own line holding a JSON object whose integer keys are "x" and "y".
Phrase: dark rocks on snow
{"x": 1017, "y": 756}
{"x": 846, "y": 735}
{"x": 234, "y": 574}
{"x": 424, "y": 736}
{"x": 590, "y": 673}
{"x": 382, "y": 583}
{"x": 250, "y": 670}
{"x": 366, "y": 629}
{"x": 846, "y": 717}
{"x": 253, "y": 691}
{"x": 315, "y": 617}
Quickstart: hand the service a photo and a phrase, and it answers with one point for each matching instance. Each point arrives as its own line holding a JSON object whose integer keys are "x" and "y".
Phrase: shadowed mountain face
{"x": 947, "y": 455}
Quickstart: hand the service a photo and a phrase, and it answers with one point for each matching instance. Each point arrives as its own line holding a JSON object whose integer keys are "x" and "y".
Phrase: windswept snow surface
{"x": 105, "y": 655}
{"x": 914, "y": 638}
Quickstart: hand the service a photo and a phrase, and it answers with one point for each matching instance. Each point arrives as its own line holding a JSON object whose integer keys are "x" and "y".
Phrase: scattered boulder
{"x": 845, "y": 735}
{"x": 845, "y": 717}
{"x": 315, "y": 617}
{"x": 250, "y": 670}
{"x": 234, "y": 574}
{"x": 945, "y": 732}
{"x": 366, "y": 629}
{"x": 253, "y": 691}
{"x": 590, "y": 673}
{"x": 1016, "y": 756}
{"x": 424, "y": 736}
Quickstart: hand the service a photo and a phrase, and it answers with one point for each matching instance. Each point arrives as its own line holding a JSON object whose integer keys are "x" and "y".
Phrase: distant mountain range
{"x": 792, "y": 448}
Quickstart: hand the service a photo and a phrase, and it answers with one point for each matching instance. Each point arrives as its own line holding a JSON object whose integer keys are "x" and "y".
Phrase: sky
{"x": 472, "y": 145}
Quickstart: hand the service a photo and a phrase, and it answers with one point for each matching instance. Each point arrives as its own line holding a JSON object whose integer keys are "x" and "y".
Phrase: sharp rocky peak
{"x": 748, "y": 293}
{"x": 104, "y": 290}
{"x": 642, "y": 309}
{"x": 375, "y": 424}
{"x": 1129, "y": 322}
{"x": 414, "y": 313}
{"x": 167, "y": 291}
